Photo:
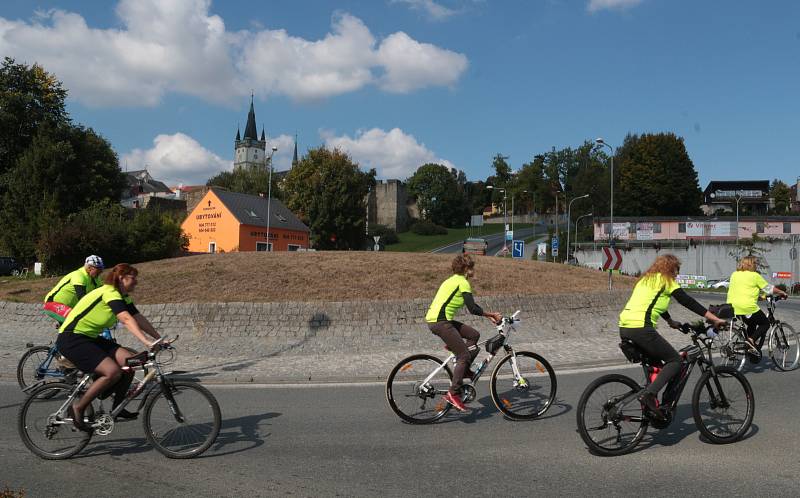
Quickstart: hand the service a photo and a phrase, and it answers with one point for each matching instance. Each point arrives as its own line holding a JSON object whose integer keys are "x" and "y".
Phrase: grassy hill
{"x": 329, "y": 276}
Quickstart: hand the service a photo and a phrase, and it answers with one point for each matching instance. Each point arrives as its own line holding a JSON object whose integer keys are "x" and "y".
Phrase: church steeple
{"x": 294, "y": 158}
{"x": 238, "y": 137}
{"x": 250, "y": 130}
{"x": 262, "y": 134}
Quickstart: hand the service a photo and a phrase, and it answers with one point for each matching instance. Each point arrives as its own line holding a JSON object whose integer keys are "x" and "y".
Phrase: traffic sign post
{"x": 377, "y": 239}
{"x": 518, "y": 249}
{"x": 554, "y": 247}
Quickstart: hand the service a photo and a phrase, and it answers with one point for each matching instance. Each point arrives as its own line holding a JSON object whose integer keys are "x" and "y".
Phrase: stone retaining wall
{"x": 333, "y": 340}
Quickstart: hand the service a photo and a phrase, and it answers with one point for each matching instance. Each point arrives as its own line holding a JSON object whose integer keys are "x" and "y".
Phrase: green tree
{"x": 30, "y": 98}
{"x": 64, "y": 170}
{"x": 782, "y": 196}
{"x": 656, "y": 177}
{"x": 328, "y": 193}
{"x": 438, "y": 195}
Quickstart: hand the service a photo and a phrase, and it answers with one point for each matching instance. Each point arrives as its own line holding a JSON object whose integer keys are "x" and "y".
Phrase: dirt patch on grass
{"x": 330, "y": 276}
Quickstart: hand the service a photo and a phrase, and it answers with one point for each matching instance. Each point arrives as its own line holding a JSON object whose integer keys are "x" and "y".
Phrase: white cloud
{"x": 436, "y": 11}
{"x": 394, "y": 154}
{"x": 175, "y": 159}
{"x": 178, "y": 46}
{"x": 595, "y": 5}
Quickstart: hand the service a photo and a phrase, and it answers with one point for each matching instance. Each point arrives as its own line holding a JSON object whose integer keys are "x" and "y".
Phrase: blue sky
{"x": 398, "y": 83}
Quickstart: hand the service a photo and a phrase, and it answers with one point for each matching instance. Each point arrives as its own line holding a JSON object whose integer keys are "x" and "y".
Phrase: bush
{"x": 387, "y": 235}
{"x": 428, "y": 228}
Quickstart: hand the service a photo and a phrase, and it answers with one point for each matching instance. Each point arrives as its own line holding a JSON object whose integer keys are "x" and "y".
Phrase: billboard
{"x": 710, "y": 229}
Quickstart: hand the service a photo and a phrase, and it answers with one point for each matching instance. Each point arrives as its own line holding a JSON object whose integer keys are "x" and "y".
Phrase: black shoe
{"x": 126, "y": 415}
{"x": 754, "y": 357}
{"x": 77, "y": 420}
{"x": 650, "y": 402}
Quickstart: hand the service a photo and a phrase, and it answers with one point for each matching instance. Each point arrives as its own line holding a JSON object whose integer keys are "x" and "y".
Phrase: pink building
{"x": 628, "y": 228}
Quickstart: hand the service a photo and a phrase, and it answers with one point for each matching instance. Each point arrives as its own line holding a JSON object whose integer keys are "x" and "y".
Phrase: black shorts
{"x": 86, "y": 353}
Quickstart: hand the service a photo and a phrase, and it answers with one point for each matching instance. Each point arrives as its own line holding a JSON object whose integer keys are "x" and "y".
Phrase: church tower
{"x": 250, "y": 152}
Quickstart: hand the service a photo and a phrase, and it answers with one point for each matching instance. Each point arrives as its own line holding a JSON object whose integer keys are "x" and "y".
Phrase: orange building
{"x": 229, "y": 221}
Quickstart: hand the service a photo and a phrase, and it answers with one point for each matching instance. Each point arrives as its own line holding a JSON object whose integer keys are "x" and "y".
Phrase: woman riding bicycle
{"x": 746, "y": 285}
{"x": 637, "y": 322}
{"x": 453, "y": 294}
{"x": 72, "y": 287}
{"x": 79, "y": 340}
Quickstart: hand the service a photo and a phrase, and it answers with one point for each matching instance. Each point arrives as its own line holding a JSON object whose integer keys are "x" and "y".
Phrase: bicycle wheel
{"x": 723, "y": 408}
{"x": 607, "y": 428}
{"x": 734, "y": 352}
{"x": 184, "y": 422}
{"x": 34, "y": 366}
{"x": 784, "y": 347}
{"x": 413, "y": 399}
{"x": 527, "y": 395}
{"x": 44, "y": 429}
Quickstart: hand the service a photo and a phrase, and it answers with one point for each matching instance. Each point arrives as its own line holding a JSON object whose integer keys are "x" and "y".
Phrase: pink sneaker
{"x": 455, "y": 400}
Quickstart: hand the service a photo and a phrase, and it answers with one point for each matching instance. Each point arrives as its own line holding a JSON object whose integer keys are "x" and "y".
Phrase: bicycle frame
{"x": 504, "y": 329}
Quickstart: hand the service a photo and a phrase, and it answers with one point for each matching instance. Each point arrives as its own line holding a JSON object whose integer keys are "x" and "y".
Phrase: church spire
{"x": 238, "y": 137}
{"x": 294, "y": 158}
{"x": 262, "y": 134}
{"x": 250, "y": 130}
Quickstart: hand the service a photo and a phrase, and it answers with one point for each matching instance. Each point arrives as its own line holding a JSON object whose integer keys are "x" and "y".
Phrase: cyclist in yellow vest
{"x": 72, "y": 287}
{"x": 80, "y": 342}
{"x": 637, "y": 322}
{"x": 746, "y": 285}
{"x": 453, "y": 294}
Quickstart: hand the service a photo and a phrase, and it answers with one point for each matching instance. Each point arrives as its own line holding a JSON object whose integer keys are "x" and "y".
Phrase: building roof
{"x": 762, "y": 185}
{"x": 140, "y": 182}
{"x": 252, "y": 210}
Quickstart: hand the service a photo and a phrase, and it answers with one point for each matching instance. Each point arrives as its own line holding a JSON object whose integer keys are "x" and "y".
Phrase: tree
{"x": 656, "y": 177}
{"x": 782, "y": 196}
{"x": 438, "y": 195}
{"x": 327, "y": 191}
{"x": 63, "y": 171}
{"x": 30, "y": 98}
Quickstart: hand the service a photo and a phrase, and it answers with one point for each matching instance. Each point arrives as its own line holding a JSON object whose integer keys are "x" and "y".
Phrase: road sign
{"x": 509, "y": 235}
{"x": 613, "y": 258}
{"x": 518, "y": 249}
{"x": 554, "y": 243}
{"x": 541, "y": 251}
{"x": 376, "y": 238}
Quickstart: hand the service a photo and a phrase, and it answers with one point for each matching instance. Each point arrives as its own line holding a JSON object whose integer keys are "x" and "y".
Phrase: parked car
{"x": 722, "y": 284}
{"x": 9, "y": 266}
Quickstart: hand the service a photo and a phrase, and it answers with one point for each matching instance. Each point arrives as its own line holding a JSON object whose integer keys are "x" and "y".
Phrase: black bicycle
{"x": 612, "y": 421}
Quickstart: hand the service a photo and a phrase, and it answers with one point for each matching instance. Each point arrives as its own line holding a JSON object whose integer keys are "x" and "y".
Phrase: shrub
{"x": 428, "y": 228}
{"x": 387, "y": 235}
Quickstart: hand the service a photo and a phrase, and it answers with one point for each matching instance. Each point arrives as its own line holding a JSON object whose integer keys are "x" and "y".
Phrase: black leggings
{"x": 757, "y": 326}
{"x": 657, "y": 348}
{"x": 452, "y": 333}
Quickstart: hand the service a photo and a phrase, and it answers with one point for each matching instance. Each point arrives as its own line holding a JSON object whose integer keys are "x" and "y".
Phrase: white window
{"x": 263, "y": 246}
{"x": 294, "y": 247}
{"x": 212, "y": 247}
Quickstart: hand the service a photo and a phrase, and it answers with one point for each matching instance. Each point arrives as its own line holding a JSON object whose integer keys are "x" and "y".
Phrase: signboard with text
{"x": 782, "y": 274}
{"x": 710, "y": 229}
{"x": 692, "y": 281}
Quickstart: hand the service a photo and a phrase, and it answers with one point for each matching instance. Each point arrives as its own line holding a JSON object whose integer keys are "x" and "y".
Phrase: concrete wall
{"x": 712, "y": 258}
{"x": 336, "y": 340}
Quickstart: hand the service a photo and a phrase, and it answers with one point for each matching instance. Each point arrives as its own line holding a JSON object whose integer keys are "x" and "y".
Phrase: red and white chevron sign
{"x": 613, "y": 259}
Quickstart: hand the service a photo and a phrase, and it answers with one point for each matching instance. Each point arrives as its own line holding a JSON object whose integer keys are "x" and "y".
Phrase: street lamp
{"x": 576, "y": 227}
{"x": 269, "y": 194}
{"x": 505, "y": 223}
{"x": 599, "y": 141}
{"x": 738, "y": 197}
{"x": 569, "y": 219}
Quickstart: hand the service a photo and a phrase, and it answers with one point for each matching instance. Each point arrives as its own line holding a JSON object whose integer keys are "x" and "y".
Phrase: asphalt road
{"x": 495, "y": 241}
{"x": 343, "y": 440}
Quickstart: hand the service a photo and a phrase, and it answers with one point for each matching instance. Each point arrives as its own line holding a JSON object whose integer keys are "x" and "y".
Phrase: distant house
{"x": 655, "y": 228}
{"x": 230, "y": 221}
{"x": 145, "y": 191}
{"x": 751, "y": 194}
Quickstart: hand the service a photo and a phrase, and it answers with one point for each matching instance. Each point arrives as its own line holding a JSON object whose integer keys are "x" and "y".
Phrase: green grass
{"x": 411, "y": 242}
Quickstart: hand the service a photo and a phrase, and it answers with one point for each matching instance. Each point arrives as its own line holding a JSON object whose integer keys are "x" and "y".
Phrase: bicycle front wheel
{"x": 34, "y": 366}
{"x": 181, "y": 419}
{"x": 784, "y": 347}
{"x": 523, "y": 385}
{"x": 414, "y": 399}
{"x": 723, "y": 405}
{"x": 43, "y": 424}
{"x": 610, "y": 420}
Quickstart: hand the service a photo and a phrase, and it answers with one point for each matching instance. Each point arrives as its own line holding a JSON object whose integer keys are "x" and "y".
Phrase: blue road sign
{"x": 509, "y": 235}
{"x": 518, "y": 249}
{"x": 554, "y": 243}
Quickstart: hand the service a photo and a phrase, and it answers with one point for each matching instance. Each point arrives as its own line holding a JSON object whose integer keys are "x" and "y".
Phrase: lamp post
{"x": 738, "y": 197}
{"x": 505, "y": 223}
{"x": 602, "y": 143}
{"x": 569, "y": 219}
{"x": 269, "y": 195}
{"x": 576, "y": 225}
